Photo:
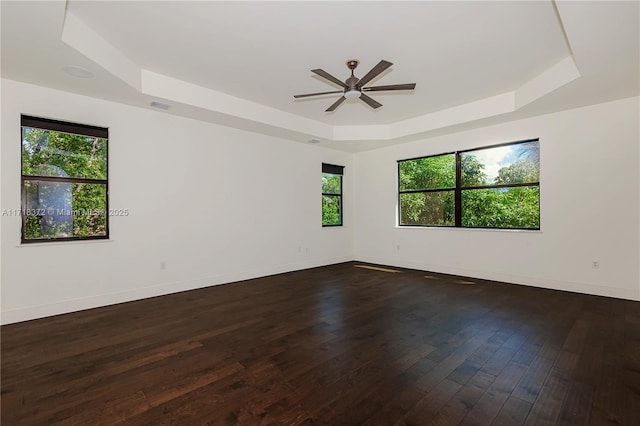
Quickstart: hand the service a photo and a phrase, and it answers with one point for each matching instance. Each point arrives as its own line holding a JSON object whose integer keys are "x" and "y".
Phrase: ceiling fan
{"x": 353, "y": 87}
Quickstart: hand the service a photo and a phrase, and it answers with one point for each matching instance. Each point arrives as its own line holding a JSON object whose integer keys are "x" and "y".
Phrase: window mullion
{"x": 458, "y": 192}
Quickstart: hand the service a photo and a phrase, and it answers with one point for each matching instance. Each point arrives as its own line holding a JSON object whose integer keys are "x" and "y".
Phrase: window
{"x": 492, "y": 187}
{"x": 332, "y": 195}
{"x": 64, "y": 181}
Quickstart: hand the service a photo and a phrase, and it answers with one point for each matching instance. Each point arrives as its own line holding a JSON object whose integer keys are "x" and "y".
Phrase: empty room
{"x": 320, "y": 212}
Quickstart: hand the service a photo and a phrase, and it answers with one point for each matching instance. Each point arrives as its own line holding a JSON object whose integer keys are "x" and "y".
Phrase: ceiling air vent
{"x": 160, "y": 105}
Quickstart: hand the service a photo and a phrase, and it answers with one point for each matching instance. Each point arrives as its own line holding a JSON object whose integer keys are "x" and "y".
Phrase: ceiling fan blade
{"x": 329, "y": 77}
{"x": 408, "y": 86}
{"x": 375, "y": 71}
{"x": 336, "y": 104}
{"x": 317, "y": 94}
{"x": 371, "y": 102}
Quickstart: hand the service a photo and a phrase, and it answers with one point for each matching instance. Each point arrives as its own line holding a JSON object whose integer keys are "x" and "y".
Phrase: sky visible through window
{"x": 496, "y": 158}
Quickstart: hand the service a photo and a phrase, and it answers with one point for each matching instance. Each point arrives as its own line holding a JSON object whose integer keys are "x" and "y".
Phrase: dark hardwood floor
{"x": 337, "y": 345}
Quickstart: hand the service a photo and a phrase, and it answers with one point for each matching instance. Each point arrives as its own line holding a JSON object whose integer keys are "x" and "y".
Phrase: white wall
{"x": 216, "y": 204}
{"x": 589, "y": 207}
{"x": 220, "y": 205}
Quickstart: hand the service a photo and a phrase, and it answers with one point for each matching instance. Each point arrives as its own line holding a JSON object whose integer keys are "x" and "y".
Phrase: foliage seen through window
{"x": 497, "y": 187}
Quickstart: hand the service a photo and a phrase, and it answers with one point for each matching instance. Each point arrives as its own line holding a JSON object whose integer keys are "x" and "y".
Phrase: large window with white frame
{"x": 491, "y": 187}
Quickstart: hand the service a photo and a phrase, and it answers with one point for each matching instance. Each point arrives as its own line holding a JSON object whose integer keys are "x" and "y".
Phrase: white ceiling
{"x": 240, "y": 63}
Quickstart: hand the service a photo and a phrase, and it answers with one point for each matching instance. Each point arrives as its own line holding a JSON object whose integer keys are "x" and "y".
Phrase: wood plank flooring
{"x": 337, "y": 345}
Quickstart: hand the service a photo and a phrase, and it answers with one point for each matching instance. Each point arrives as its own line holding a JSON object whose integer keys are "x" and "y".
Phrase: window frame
{"x": 70, "y": 128}
{"x": 338, "y": 171}
{"x": 459, "y": 188}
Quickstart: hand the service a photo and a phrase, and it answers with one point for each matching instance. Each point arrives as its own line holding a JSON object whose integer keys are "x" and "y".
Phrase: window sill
{"x": 63, "y": 243}
{"x": 451, "y": 228}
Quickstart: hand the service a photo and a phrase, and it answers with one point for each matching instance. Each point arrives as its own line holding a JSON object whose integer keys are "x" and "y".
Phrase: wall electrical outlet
{"x": 595, "y": 264}
{"x": 163, "y": 265}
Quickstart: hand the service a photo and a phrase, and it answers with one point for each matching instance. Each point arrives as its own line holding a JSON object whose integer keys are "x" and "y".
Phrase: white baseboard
{"x": 586, "y": 288}
{"x": 67, "y": 306}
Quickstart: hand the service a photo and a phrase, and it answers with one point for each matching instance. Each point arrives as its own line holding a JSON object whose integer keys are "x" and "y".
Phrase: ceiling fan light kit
{"x": 353, "y": 87}
{"x": 352, "y": 94}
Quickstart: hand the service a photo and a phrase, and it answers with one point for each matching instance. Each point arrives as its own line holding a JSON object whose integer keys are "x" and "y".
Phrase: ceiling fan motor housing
{"x": 351, "y": 82}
